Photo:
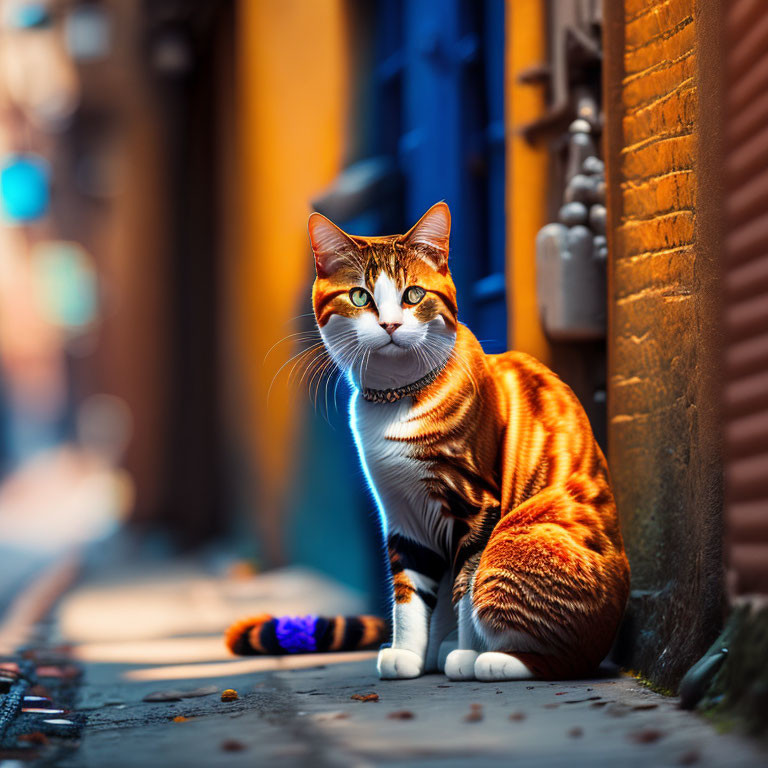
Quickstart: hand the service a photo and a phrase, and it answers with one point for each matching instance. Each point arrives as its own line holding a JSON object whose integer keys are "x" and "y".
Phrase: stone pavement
{"x": 158, "y": 631}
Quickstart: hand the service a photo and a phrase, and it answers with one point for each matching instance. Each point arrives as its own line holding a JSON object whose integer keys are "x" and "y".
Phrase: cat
{"x": 506, "y": 555}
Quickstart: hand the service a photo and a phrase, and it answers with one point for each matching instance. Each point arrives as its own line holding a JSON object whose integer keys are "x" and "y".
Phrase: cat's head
{"x": 385, "y": 306}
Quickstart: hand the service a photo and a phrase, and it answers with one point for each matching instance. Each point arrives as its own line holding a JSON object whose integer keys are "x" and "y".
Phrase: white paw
{"x": 460, "y": 665}
{"x": 399, "y": 664}
{"x": 500, "y": 666}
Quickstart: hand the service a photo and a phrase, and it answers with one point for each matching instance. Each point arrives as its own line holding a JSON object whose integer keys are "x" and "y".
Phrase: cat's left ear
{"x": 429, "y": 236}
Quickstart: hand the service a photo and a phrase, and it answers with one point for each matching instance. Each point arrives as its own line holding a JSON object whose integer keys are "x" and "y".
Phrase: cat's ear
{"x": 429, "y": 236}
{"x": 332, "y": 246}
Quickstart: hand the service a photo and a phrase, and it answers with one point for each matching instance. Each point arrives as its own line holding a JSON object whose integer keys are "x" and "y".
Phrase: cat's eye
{"x": 360, "y": 297}
{"x": 413, "y": 295}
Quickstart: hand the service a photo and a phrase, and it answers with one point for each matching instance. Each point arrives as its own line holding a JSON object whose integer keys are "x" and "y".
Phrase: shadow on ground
{"x": 156, "y": 632}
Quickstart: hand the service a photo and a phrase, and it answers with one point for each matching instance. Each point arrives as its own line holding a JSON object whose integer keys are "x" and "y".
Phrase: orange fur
{"x": 236, "y": 631}
{"x": 506, "y": 436}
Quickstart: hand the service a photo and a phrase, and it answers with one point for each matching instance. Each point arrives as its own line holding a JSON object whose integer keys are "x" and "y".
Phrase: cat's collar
{"x": 397, "y": 393}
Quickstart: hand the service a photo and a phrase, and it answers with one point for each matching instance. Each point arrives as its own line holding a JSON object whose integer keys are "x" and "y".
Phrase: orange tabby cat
{"x": 504, "y": 543}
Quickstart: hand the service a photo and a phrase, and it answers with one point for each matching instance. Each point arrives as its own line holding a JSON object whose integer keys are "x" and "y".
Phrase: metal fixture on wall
{"x": 571, "y": 253}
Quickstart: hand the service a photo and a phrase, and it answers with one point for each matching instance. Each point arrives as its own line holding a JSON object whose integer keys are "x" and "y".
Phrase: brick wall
{"x": 661, "y": 138}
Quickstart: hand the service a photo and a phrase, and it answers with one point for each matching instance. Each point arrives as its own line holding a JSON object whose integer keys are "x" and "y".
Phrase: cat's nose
{"x": 390, "y": 328}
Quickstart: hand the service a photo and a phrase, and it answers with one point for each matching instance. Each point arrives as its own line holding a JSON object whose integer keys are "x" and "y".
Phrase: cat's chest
{"x": 399, "y": 478}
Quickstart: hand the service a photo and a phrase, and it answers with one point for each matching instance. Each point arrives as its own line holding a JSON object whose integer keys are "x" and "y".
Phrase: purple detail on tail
{"x": 296, "y": 634}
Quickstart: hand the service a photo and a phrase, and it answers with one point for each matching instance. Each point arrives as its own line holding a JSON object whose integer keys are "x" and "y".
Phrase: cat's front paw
{"x": 399, "y": 664}
{"x": 460, "y": 665}
{"x": 495, "y": 667}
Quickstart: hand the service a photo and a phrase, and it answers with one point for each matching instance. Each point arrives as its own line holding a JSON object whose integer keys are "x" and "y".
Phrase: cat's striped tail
{"x": 275, "y": 636}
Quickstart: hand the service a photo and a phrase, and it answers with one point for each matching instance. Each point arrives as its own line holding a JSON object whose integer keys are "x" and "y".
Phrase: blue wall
{"x": 440, "y": 116}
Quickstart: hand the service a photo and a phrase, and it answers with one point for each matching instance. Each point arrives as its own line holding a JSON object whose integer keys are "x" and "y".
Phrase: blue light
{"x": 361, "y": 456}
{"x": 24, "y": 187}
{"x": 30, "y": 16}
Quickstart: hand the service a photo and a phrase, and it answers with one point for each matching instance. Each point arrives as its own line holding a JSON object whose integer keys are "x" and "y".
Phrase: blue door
{"x": 439, "y": 112}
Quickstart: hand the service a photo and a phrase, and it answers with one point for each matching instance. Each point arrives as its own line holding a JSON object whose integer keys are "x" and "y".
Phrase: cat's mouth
{"x": 391, "y": 347}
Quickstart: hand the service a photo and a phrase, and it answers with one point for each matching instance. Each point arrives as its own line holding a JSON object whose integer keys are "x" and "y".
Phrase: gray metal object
{"x": 571, "y": 254}
{"x": 570, "y": 282}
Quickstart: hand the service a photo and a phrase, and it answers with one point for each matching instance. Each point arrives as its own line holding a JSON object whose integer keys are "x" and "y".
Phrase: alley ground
{"x": 156, "y": 632}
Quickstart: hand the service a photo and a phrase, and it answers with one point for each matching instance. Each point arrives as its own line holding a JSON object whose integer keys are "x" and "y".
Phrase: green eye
{"x": 360, "y": 297}
{"x": 413, "y": 295}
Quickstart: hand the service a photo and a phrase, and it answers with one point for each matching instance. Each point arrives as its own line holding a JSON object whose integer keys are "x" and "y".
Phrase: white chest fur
{"x": 398, "y": 479}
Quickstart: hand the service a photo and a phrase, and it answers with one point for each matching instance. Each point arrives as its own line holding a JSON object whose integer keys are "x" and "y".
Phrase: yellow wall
{"x": 293, "y": 87}
{"x": 526, "y": 173}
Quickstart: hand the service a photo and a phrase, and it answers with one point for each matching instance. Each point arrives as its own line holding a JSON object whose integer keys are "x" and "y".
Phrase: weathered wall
{"x": 292, "y": 62}
{"x": 661, "y": 147}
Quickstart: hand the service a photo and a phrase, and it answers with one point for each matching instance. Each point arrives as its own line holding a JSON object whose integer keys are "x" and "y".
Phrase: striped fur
{"x": 260, "y": 635}
{"x": 506, "y": 555}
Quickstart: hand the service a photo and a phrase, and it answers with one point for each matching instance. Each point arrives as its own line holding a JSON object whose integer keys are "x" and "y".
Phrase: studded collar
{"x": 397, "y": 393}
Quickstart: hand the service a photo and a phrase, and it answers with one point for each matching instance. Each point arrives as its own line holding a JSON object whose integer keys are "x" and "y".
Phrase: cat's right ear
{"x": 332, "y": 246}
{"x": 429, "y": 236}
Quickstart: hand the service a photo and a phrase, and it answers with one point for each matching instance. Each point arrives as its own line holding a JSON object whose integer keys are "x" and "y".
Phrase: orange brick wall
{"x": 660, "y": 301}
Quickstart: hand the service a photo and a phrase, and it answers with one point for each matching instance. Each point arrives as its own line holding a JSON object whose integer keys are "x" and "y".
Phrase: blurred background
{"x": 158, "y": 163}
{"x": 159, "y": 396}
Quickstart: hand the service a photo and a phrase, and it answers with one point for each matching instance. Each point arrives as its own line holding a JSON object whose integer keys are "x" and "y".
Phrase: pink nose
{"x": 390, "y": 328}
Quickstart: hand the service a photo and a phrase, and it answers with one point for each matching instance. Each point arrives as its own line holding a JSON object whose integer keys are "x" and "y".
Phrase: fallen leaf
{"x": 646, "y": 736}
{"x": 230, "y": 694}
{"x": 475, "y": 713}
{"x": 233, "y": 745}
{"x": 36, "y": 737}
{"x": 517, "y": 716}
{"x": 576, "y": 733}
{"x": 401, "y": 714}
{"x": 180, "y": 719}
{"x": 645, "y": 706}
{"x": 365, "y": 696}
